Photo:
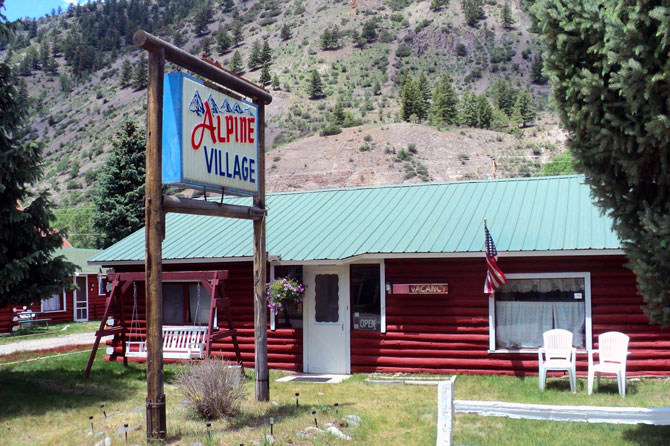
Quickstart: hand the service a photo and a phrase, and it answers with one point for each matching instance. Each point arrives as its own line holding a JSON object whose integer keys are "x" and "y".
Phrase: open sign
{"x": 366, "y": 321}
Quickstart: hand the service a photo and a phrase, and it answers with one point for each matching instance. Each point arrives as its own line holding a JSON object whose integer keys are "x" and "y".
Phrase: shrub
{"x": 212, "y": 387}
{"x": 331, "y": 130}
{"x": 403, "y": 51}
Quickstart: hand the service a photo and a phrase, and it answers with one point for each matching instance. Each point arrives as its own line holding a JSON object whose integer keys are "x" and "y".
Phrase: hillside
{"x": 79, "y": 101}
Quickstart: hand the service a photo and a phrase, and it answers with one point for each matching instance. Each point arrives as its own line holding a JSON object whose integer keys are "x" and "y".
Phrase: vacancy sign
{"x": 209, "y": 138}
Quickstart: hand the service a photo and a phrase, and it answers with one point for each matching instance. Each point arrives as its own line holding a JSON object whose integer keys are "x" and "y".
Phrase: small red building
{"x": 85, "y": 302}
{"x": 394, "y": 278}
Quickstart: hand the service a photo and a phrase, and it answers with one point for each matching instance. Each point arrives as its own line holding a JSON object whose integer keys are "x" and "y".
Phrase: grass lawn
{"x": 47, "y": 402}
{"x": 55, "y": 330}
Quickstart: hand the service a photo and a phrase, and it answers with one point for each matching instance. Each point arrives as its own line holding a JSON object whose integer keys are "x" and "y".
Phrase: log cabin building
{"x": 394, "y": 278}
{"x": 85, "y": 302}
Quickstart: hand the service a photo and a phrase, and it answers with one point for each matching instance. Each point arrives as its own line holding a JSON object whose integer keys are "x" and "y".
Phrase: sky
{"x": 18, "y": 9}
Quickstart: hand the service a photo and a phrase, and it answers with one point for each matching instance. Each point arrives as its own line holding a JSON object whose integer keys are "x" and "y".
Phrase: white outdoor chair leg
{"x": 589, "y": 382}
{"x": 573, "y": 381}
{"x": 543, "y": 378}
{"x": 598, "y": 373}
{"x": 621, "y": 381}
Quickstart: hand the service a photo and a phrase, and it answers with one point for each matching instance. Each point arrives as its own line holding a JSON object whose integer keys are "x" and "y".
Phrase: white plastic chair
{"x": 612, "y": 352}
{"x": 557, "y": 354}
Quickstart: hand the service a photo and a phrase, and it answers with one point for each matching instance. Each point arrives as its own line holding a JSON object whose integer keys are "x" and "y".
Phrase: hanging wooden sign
{"x": 210, "y": 139}
{"x": 421, "y": 288}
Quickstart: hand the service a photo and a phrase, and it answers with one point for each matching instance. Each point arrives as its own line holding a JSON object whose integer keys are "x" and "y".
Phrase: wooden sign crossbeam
{"x": 156, "y": 205}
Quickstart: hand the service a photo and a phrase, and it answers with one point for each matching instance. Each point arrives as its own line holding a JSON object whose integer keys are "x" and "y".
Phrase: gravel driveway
{"x": 49, "y": 343}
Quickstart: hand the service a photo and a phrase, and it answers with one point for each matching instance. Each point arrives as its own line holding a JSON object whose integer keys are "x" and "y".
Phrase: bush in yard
{"x": 213, "y": 388}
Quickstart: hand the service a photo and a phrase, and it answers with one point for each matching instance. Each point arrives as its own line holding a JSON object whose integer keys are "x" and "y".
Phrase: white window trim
{"x": 588, "y": 329}
{"x": 63, "y": 296}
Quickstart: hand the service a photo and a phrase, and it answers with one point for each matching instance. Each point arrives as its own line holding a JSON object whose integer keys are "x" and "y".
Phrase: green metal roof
{"x": 79, "y": 257}
{"x": 529, "y": 214}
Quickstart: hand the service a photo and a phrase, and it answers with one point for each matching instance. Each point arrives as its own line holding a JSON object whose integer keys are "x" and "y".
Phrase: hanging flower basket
{"x": 281, "y": 292}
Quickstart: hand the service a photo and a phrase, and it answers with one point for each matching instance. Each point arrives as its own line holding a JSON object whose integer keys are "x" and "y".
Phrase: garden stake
{"x": 91, "y": 418}
{"x": 272, "y": 422}
{"x": 296, "y": 399}
{"x": 315, "y": 423}
{"x": 336, "y": 410}
{"x": 125, "y": 430}
{"x": 102, "y": 406}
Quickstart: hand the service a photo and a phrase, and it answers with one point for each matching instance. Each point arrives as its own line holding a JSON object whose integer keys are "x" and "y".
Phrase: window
{"x": 102, "y": 285}
{"x": 56, "y": 302}
{"x": 185, "y": 304}
{"x": 173, "y": 304}
{"x": 290, "y": 315}
{"x": 365, "y": 297}
{"x": 199, "y": 302}
{"x": 526, "y": 307}
{"x": 327, "y": 298}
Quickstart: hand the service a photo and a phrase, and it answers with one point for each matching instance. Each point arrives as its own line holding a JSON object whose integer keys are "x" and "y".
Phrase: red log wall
{"x": 450, "y": 334}
{"x": 284, "y": 345}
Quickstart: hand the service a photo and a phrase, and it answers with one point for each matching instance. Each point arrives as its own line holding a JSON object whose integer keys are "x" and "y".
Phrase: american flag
{"x": 494, "y": 275}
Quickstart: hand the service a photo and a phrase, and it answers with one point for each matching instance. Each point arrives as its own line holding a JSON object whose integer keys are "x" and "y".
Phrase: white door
{"x": 81, "y": 299}
{"x": 326, "y": 320}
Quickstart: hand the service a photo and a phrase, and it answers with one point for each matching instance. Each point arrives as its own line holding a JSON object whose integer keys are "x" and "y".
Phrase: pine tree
{"x": 119, "y": 198}
{"x": 484, "y": 112}
{"x": 237, "y": 32}
{"x": 275, "y": 82}
{"x": 473, "y": 10}
{"x": 506, "y": 16}
{"x": 315, "y": 87}
{"x": 338, "y": 113}
{"x": 52, "y": 66}
{"x": 536, "y": 70}
{"x": 369, "y": 32}
{"x": 126, "y": 73}
{"x": 140, "y": 74}
{"x": 377, "y": 88}
{"x": 469, "y": 110}
{"x": 286, "y": 33}
{"x": 437, "y": 4}
{"x": 524, "y": 108}
{"x": 265, "y": 78}
{"x": 228, "y": 5}
{"x": 206, "y": 45}
{"x": 200, "y": 21}
{"x": 411, "y": 101}
{"x": 223, "y": 41}
{"x": 424, "y": 88}
{"x": 44, "y": 55}
{"x": 614, "y": 102}
{"x": 255, "y": 55}
{"x": 266, "y": 53}
{"x": 28, "y": 270}
{"x": 236, "y": 63}
{"x": 445, "y": 102}
{"x": 504, "y": 96}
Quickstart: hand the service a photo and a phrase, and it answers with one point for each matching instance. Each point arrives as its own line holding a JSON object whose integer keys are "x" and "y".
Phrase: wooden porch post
{"x": 260, "y": 262}
{"x": 156, "y": 419}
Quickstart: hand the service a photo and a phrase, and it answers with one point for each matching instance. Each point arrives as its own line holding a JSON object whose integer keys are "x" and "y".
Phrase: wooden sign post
{"x": 157, "y": 204}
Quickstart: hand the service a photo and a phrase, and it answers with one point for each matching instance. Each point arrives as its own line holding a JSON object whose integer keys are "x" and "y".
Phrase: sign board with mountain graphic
{"x": 209, "y": 138}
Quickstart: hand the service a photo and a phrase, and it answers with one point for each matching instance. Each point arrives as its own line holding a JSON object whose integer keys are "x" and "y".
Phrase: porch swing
{"x": 183, "y": 342}
{"x": 179, "y": 341}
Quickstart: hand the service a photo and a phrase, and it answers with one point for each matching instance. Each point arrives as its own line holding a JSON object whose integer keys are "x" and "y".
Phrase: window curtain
{"x": 521, "y": 324}
{"x": 52, "y": 303}
{"x": 543, "y": 285}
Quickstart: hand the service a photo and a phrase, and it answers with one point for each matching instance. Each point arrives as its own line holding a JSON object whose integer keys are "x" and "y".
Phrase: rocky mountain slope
{"x": 76, "y": 112}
